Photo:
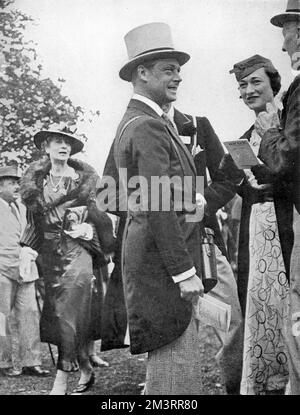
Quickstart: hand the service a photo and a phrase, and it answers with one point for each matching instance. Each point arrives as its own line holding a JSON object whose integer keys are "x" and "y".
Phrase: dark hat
{"x": 247, "y": 66}
{"x": 291, "y": 14}
{"x": 10, "y": 171}
{"x": 41, "y": 136}
{"x": 149, "y": 42}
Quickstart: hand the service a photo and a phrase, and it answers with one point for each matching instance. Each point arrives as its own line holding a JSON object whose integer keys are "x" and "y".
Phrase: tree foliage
{"x": 28, "y": 103}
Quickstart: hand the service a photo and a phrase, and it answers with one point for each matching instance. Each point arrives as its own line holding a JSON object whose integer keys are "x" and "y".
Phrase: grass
{"x": 123, "y": 376}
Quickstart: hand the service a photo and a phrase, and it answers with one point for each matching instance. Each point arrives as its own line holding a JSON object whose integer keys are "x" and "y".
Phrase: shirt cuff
{"x": 26, "y": 250}
{"x": 184, "y": 275}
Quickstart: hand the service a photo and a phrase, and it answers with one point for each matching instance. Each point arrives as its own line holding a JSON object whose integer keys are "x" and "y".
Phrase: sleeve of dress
{"x": 32, "y": 235}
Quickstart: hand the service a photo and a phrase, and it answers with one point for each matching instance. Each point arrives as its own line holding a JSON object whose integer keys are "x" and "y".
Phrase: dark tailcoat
{"x": 221, "y": 190}
{"x": 280, "y": 147}
{"x": 157, "y": 244}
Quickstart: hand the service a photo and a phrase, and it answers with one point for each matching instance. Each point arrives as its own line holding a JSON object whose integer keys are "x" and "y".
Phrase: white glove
{"x": 199, "y": 213}
{"x": 82, "y": 231}
{"x": 200, "y": 205}
{"x": 267, "y": 119}
{"x": 27, "y": 255}
{"x": 110, "y": 266}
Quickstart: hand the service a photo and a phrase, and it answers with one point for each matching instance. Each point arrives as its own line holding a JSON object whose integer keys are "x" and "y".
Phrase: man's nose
{"x": 177, "y": 77}
{"x": 283, "y": 46}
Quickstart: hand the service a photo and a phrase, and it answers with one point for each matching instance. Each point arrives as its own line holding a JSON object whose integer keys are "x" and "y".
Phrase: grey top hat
{"x": 41, "y": 136}
{"x": 148, "y": 42}
{"x": 292, "y": 13}
{"x": 10, "y": 171}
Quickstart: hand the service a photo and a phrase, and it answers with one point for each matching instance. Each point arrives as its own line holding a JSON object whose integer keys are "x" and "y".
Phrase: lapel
{"x": 178, "y": 140}
{"x": 22, "y": 213}
{"x": 9, "y": 212}
{"x": 183, "y": 123}
{"x": 141, "y": 107}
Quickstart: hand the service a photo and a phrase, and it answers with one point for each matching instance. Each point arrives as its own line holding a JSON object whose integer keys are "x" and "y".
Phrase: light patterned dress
{"x": 264, "y": 358}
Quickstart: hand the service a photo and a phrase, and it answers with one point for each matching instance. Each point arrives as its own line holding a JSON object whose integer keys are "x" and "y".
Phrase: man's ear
{"x": 142, "y": 73}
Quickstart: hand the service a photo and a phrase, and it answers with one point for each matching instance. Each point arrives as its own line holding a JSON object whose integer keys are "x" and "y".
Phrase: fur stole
{"x": 31, "y": 190}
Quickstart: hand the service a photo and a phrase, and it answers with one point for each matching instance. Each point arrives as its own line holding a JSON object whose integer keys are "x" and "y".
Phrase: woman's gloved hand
{"x": 82, "y": 231}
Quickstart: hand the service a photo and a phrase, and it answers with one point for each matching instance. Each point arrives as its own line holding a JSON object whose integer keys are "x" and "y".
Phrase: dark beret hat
{"x": 247, "y": 66}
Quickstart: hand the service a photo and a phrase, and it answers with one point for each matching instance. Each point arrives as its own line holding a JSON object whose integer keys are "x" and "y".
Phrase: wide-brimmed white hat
{"x": 292, "y": 13}
{"x": 41, "y": 136}
{"x": 148, "y": 42}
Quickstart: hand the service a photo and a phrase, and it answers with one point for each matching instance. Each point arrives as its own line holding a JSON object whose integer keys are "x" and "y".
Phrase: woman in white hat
{"x": 71, "y": 236}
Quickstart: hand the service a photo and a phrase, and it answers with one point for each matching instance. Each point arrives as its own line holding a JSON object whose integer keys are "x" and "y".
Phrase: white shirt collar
{"x": 171, "y": 113}
{"x": 295, "y": 72}
{"x": 156, "y": 108}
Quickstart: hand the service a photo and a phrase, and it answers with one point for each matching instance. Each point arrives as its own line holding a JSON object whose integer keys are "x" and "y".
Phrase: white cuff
{"x": 184, "y": 275}
{"x": 26, "y": 250}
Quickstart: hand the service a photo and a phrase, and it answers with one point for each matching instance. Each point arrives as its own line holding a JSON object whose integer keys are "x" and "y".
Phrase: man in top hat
{"x": 279, "y": 150}
{"x": 161, "y": 261}
{"x": 17, "y": 293}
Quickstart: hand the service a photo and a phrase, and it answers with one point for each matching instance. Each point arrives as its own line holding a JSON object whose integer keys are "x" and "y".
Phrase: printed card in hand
{"x": 242, "y": 153}
{"x": 74, "y": 216}
{"x": 213, "y": 312}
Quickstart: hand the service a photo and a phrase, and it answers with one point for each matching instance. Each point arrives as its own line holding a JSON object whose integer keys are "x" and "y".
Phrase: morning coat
{"x": 156, "y": 244}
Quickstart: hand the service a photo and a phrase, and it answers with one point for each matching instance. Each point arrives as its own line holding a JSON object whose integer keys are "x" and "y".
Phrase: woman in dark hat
{"x": 262, "y": 276}
{"x": 72, "y": 237}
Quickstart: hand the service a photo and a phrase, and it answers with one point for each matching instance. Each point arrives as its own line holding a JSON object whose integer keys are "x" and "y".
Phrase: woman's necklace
{"x": 55, "y": 187}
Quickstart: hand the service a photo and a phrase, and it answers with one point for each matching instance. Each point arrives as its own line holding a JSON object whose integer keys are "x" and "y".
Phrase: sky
{"x": 82, "y": 41}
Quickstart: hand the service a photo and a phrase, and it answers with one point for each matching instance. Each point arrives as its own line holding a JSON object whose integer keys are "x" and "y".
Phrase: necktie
{"x": 13, "y": 209}
{"x": 168, "y": 121}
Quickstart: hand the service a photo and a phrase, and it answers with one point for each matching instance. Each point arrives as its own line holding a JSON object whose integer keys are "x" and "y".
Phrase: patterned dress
{"x": 264, "y": 358}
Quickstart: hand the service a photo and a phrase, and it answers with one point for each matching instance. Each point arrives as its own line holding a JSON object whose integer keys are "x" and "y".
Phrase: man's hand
{"x": 27, "y": 255}
{"x": 267, "y": 119}
{"x": 191, "y": 288}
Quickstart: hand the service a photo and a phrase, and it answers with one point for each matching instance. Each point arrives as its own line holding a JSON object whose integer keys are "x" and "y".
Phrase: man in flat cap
{"x": 279, "y": 150}
{"x": 17, "y": 293}
{"x": 161, "y": 246}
